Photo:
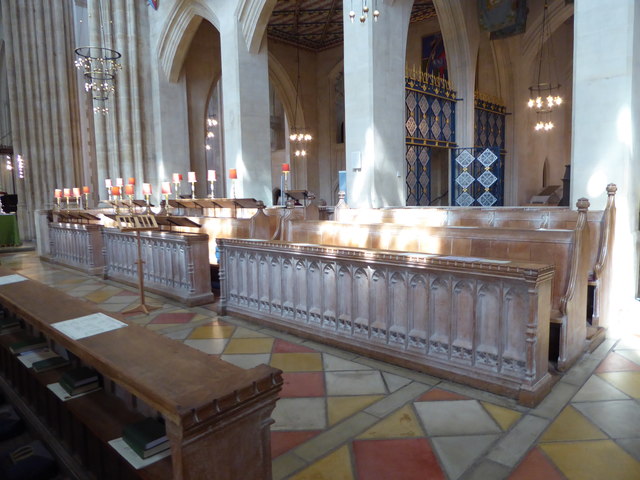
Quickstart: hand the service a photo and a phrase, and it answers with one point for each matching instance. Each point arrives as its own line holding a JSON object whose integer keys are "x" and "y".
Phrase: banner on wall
{"x": 503, "y": 18}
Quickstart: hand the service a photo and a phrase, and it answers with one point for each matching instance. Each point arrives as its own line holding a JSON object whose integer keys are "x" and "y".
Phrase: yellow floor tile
{"x": 335, "y": 466}
{"x": 505, "y": 417}
{"x": 572, "y": 425}
{"x": 600, "y": 459}
{"x": 339, "y": 408}
{"x": 400, "y": 424}
{"x": 627, "y": 382}
{"x": 296, "y": 362}
{"x": 212, "y": 331}
{"x": 249, "y": 345}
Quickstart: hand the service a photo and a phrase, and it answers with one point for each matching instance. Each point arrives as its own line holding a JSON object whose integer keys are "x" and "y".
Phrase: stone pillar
{"x": 245, "y": 110}
{"x": 374, "y": 68}
{"x": 606, "y": 128}
{"x": 43, "y": 102}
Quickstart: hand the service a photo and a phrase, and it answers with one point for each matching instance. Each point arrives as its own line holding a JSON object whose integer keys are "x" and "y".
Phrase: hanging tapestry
{"x": 503, "y": 18}
{"x": 434, "y": 59}
{"x": 429, "y": 122}
{"x": 477, "y": 177}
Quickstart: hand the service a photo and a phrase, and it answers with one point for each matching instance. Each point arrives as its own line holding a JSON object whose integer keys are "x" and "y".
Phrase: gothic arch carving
{"x": 253, "y": 16}
{"x": 285, "y": 90}
{"x": 177, "y": 33}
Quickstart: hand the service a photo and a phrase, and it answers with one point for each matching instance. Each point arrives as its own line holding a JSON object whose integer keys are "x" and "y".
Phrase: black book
{"x": 79, "y": 376}
{"x": 27, "y": 344}
{"x": 49, "y": 364}
{"x": 146, "y": 437}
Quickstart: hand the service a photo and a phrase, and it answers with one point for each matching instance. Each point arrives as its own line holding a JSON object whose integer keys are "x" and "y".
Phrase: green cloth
{"x": 9, "y": 235}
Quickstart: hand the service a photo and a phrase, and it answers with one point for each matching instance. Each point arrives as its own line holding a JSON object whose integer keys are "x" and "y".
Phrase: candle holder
{"x": 78, "y": 201}
{"x": 148, "y": 210}
{"x": 212, "y": 194}
{"x": 58, "y": 202}
{"x": 67, "y": 198}
{"x": 233, "y": 188}
{"x": 86, "y": 201}
{"x": 176, "y": 187}
{"x": 193, "y": 190}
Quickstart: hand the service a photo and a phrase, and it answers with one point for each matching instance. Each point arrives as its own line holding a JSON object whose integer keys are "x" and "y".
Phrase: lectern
{"x": 138, "y": 223}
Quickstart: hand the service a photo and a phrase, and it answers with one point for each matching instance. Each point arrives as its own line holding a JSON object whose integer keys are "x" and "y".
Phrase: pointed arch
{"x": 253, "y": 16}
{"x": 178, "y": 31}
{"x": 286, "y": 91}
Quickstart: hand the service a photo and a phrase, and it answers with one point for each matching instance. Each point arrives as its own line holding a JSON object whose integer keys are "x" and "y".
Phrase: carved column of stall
{"x": 374, "y": 63}
{"x": 43, "y": 100}
{"x": 247, "y": 137}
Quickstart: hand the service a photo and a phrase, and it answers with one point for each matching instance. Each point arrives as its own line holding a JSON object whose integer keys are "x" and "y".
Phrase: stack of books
{"x": 80, "y": 380}
{"x": 49, "y": 364}
{"x": 27, "y": 344}
{"x": 8, "y": 324}
{"x": 146, "y": 437}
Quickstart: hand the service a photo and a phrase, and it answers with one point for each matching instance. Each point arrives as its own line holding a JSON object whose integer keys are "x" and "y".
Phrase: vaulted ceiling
{"x": 317, "y": 24}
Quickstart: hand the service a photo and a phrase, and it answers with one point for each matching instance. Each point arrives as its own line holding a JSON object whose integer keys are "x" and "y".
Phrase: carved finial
{"x": 260, "y": 205}
{"x": 582, "y": 204}
{"x": 612, "y": 188}
{"x": 341, "y": 195}
{"x": 291, "y": 203}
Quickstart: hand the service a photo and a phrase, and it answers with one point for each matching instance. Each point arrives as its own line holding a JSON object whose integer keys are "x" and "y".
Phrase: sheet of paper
{"x": 63, "y": 395}
{"x": 7, "y": 279}
{"x": 88, "y": 325}
{"x": 132, "y": 457}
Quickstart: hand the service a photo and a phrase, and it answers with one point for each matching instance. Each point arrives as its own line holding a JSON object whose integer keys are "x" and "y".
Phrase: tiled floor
{"x": 342, "y": 416}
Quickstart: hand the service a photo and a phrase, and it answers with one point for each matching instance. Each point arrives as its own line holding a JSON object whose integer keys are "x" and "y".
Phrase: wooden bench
{"x": 478, "y": 321}
{"x": 566, "y": 249}
{"x": 601, "y": 232}
{"x": 217, "y": 415}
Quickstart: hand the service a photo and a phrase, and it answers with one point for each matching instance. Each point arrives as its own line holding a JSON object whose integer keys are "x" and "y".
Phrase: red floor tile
{"x": 406, "y": 459}
{"x": 303, "y": 384}
{"x": 616, "y": 363}
{"x": 282, "y": 442}
{"x": 536, "y": 466}
{"x": 282, "y": 346}
{"x": 126, "y": 293}
{"x": 172, "y": 318}
{"x": 436, "y": 394}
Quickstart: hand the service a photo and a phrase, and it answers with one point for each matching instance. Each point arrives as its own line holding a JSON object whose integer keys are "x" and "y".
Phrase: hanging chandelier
{"x": 99, "y": 66}
{"x": 298, "y": 138}
{"x": 544, "y": 96}
{"x": 364, "y": 11}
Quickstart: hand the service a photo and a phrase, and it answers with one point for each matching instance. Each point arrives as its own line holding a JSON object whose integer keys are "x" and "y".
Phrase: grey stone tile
{"x": 333, "y": 363}
{"x": 177, "y": 334}
{"x": 283, "y": 466}
{"x": 397, "y": 399}
{"x": 631, "y": 445}
{"x": 604, "y": 348}
{"x": 482, "y": 395}
{"x": 510, "y": 449}
{"x": 323, "y": 443}
{"x": 403, "y": 372}
{"x": 556, "y": 400}
{"x": 394, "y": 382}
{"x": 300, "y": 414}
{"x": 487, "y": 470}
{"x": 457, "y": 417}
{"x": 633, "y": 355}
{"x": 242, "y": 332}
{"x": 247, "y": 360}
{"x": 354, "y": 382}
{"x": 458, "y": 453}
{"x": 617, "y": 418}
{"x": 329, "y": 349}
{"x": 597, "y": 389}
{"x": 580, "y": 372}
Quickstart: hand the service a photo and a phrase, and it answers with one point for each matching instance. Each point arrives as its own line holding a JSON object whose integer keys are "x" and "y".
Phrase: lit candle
{"x": 67, "y": 192}
{"x": 128, "y": 189}
{"x": 85, "y": 189}
{"x": 191, "y": 176}
{"x": 285, "y": 167}
{"x": 233, "y": 173}
{"x": 107, "y": 182}
{"x": 166, "y": 188}
{"x": 57, "y": 193}
{"x": 211, "y": 175}
{"x": 146, "y": 189}
{"x": 115, "y": 190}
{"x": 176, "y": 178}
{"x": 76, "y": 192}
{"x": 119, "y": 182}
{"x": 132, "y": 181}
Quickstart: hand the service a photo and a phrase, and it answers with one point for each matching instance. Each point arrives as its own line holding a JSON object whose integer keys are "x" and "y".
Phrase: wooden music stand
{"x": 138, "y": 223}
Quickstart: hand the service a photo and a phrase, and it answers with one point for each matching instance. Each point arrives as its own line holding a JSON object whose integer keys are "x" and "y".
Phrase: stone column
{"x": 606, "y": 128}
{"x": 245, "y": 110}
{"x": 374, "y": 67}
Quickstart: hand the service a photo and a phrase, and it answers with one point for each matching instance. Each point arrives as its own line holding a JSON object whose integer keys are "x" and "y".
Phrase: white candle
{"x": 211, "y": 175}
{"x": 107, "y": 182}
{"x": 146, "y": 189}
{"x": 119, "y": 182}
{"x": 191, "y": 176}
